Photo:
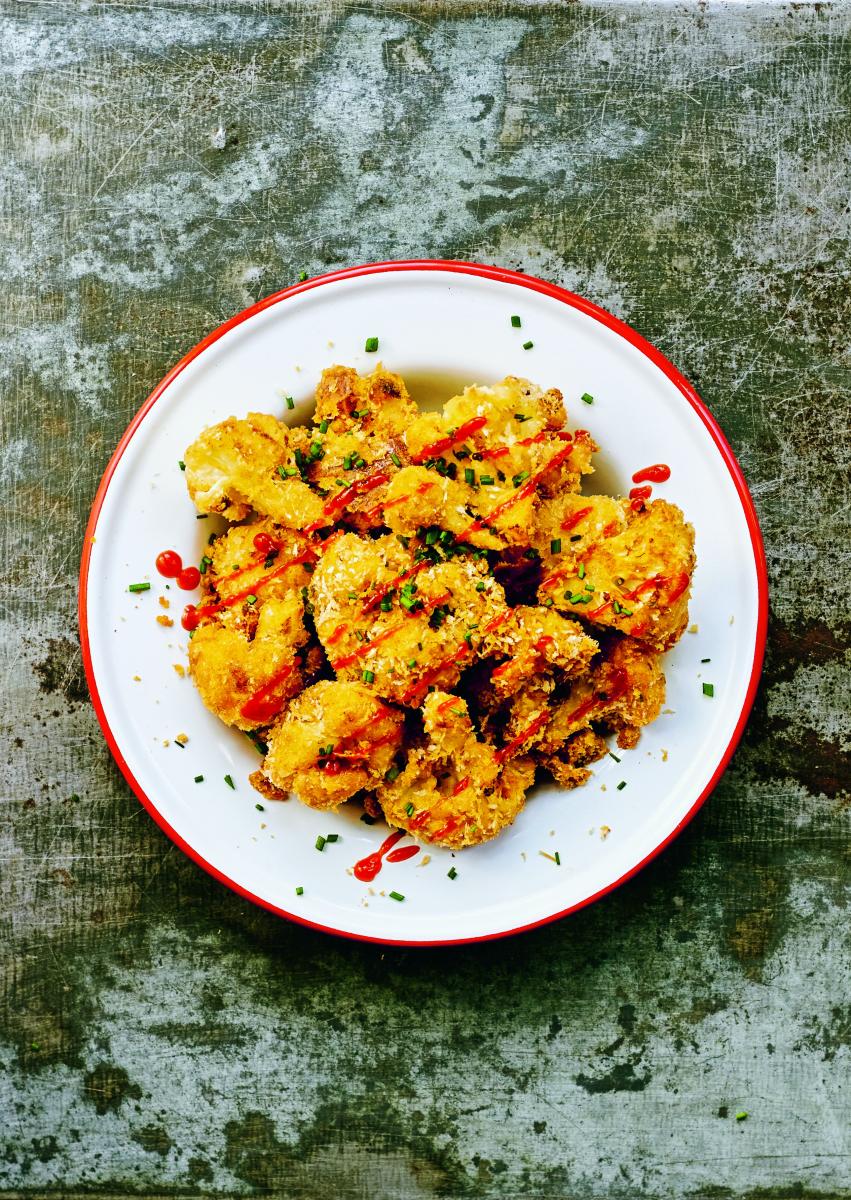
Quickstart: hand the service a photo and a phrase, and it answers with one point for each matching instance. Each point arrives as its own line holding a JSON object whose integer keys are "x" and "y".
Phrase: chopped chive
{"x": 548, "y": 603}
{"x": 452, "y": 873}
{"x": 706, "y": 660}
{"x": 412, "y": 662}
{"x": 614, "y": 756}
{"x": 259, "y": 807}
{"x": 486, "y": 479}
{"x": 323, "y": 426}
{"x": 386, "y": 604}
{"x": 290, "y": 402}
{"x": 367, "y": 819}
{"x": 139, "y": 587}
{"x": 359, "y": 462}
{"x": 741, "y": 1116}
{"x": 621, "y": 785}
{"x": 302, "y": 275}
{"x": 396, "y": 460}
{"x": 181, "y": 464}
{"x": 396, "y": 896}
{"x": 332, "y": 837}
{"x": 299, "y": 891}
{"x": 557, "y": 858}
{"x": 229, "y": 781}
{"x": 709, "y": 689}
{"x": 371, "y": 345}
{"x": 180, "y": 744}
{"x": 521, "y": 417}
{"x": 199, "y": 778}
{"x": 369, "y": 677}
{"x": 587, "y": 398}
{"x": 528, "y": 345}
{"x": 519, "y": 477}
{"x": 555, "y": 546}
{"x": 392, "y": 774}
{"x": 347, "y": 462}
{"x": 515, "y": 322}
{"x": 581, "y": 572}
{"x": 469, "y": 475}
{"x": 410, "y": 810}
{"x": 251, "y": 599}
{"x": 480, "y": 587}
{"x": 319, "y": 844}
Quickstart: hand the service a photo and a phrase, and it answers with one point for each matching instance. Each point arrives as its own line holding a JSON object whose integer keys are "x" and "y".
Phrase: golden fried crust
{"x": 417, "y": 497}
{"x": 569, "y": 768}
{"x": 381, "y": 399}
{"x": 533, "y": 640}
{"x": 335, "y": 740}
{"x": 632, "y": 574}
{"x": 454, "y": 790}
{"x": 428, "y": 634}
{"x": 232, "y": 469}
{"x": 624, "y": 691}
{"x": 244, "y": 658}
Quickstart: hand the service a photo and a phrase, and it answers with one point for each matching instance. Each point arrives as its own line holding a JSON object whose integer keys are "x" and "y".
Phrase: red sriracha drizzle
{"x": 434, "y": 449}
{"x": 658, "y": 473}
{"x": 265, "y": 704}
{"x": 192, "y": 616}
{"x": 170, "y": 564}
{"x": 367, "y": 869}
{"x": 360, "y": 487}
{"x": 527, "y": 489}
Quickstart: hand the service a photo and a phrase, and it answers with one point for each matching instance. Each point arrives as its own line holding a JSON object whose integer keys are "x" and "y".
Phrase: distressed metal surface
{"x": 162, "y": 166}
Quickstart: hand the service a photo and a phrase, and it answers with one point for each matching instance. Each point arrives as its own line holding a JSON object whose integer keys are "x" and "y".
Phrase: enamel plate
{"x": 441, "y": 326}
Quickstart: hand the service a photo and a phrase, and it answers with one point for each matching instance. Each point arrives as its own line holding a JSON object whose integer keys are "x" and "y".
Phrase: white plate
{"x": 441, "y": 325}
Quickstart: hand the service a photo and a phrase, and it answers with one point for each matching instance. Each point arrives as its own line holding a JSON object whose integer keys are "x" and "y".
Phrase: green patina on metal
{"x": 686, "y": 167}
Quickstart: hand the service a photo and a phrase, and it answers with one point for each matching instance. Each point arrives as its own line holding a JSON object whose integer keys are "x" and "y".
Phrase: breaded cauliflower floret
{"x": 417, "y": 497}
{"x": 335, "y": 740}
{"x": 625, "y": 691}
{"x": 399, "y": 624}
{"x": 233, "y": 467}
{"x": 635, "y": 576}
{"x": 570, "y": 766}
{"x": 244, "y": 654}
{"x": 454, "y": 790}
{"x": 532, "y": 640}
{"x": 381, "y": 400}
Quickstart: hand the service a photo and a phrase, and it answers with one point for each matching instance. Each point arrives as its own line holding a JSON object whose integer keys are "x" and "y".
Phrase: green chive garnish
{"x": 139, "y": 587}
{"x": 251, "y": 599}
{"x": 515, "y": 322}
{"x": 320, "y": 842}
{"x": 555, "y": 546}
{"x": 332, "y": 837}
{"x": 452, "y": 873}
{"x": 528, "y": 345}
{"x": 199, "y": 778}
{"x": 371, "y": 345}
{"x": 706, "y": 660}
{"x": 396, "y": 896}
{"x": 741, "y": 1116}
{"x": 410, "y": 810}
{"x": 557, "y": 858}
{"x": 229, "y": 781}
{"x": 480, "y": 587}
{"x": 581, "y": 571}
{"x": 412, "y": 662}
{"x": 614, "y": 756}
{"x": 290, "y": 402}
{"x": 621, "y": 785}
{"x": 392, "y": 774}
{"x": 181, "y": 464}
{"x": 486, "y": 479}
{"x": 259, "y": 807}
{"x": 396, "y": 460}
{"x": 587, "y": 398}
{"x": 469, "y": 475}
{"x": 299, "y": 891}
{"x": 709, "y": 689}
{"x": 302, "y": 275}
{"x": 369, "y": 677}
{"x": 521, "y": 417}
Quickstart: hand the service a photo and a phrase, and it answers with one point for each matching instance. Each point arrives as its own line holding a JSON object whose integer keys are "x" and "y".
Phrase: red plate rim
{"x": 501, "y": 275}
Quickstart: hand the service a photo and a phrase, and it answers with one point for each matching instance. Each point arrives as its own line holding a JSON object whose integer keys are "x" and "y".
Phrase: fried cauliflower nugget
{"x": 232, "y": 468}
{"x": 569, "y": 767}
{"x": 335, "y": 740}
{"x": 381, "y": 401}
{"x": 243, "y": 655}
{"x": 402, "y": 624}
{"x": 417, "y": 497}
{"x": 533, "y": 640}
{"x": 454, "y": 790}
{"x": 632, "y": 573}
{"x": 624, "y": 691}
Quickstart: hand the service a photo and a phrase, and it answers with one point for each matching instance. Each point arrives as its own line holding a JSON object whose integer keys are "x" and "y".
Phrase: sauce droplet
{"x": 169, "y": 564}
{"x": 189, "y": 578}
{"x": 368, "y": 867}
{"x": 658, "y": 473}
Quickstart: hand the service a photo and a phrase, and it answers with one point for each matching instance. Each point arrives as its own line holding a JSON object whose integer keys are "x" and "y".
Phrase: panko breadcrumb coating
{"x": 420, "y": 610}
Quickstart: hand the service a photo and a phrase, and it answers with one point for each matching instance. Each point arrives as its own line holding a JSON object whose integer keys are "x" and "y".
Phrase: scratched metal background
{"x": 162, "y": 166}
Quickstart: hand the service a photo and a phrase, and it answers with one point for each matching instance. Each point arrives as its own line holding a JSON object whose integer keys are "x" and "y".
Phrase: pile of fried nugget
{"x": 419, "y": 610}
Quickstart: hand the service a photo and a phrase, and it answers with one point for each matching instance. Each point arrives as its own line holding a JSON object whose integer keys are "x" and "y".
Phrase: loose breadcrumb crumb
{"x": 137, "y": 678}
{"x": 180, "y": 669}
{"x": 166, "y": 621}
{"x": 165, "y": 602}
{"x": 166, "y": 742}
{"x": 605, "y": 830}
{"x": 693, "y": 629}
{"x": 182, "y": 738}
{"x": 426, "y": 859}
{"x": 664, "y": 756}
